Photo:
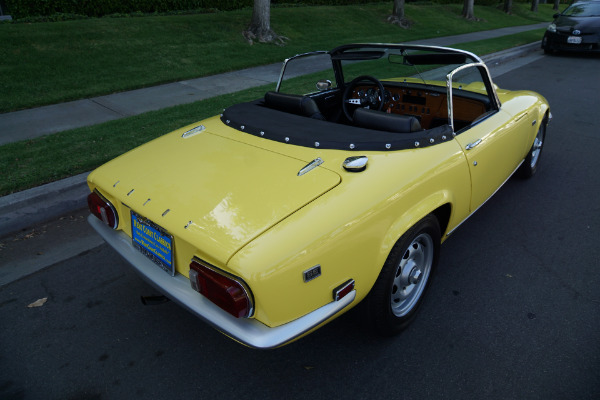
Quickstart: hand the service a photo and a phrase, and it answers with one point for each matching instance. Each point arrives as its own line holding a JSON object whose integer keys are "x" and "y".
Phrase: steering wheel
{"x": 373, "y": 100}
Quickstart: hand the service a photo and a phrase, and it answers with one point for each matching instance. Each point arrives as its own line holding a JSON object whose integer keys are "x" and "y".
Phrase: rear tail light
{"x": 103, "y": 209}
{"x": 226, "y": 291}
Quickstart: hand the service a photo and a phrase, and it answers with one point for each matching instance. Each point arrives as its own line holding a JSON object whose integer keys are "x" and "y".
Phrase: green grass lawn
{"x": 33, "y": 162}
{"x": 46, "y": 63}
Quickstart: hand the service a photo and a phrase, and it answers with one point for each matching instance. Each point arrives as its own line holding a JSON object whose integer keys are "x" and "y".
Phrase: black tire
{"x": 399, "y": 290}
{"x": 532, "y": 161}
{"x": 547, "y": 49}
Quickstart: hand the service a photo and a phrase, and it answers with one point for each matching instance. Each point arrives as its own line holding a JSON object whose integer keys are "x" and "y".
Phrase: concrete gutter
{"x": 34, "y": 206}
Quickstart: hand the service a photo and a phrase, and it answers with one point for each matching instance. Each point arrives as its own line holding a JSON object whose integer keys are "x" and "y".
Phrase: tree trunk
{"x": 556, "y": 3}
{"x": 397, "y": 17}
{"x": 260, "y": 25}
{"x": 261, "y": 15}
{"x": 398, "y": 10}
{"x": 534, "y": 5}
{"x": 468, "y": 10}
{"x": 508, "y": 6}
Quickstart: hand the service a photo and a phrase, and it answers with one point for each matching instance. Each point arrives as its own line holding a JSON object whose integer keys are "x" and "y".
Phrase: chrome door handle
{"x": 472, "y": 145}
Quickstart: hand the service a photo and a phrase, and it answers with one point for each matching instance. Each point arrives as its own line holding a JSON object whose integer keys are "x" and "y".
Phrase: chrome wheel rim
{"x": 412, "y": 275}
{"x": 537, "y": 147}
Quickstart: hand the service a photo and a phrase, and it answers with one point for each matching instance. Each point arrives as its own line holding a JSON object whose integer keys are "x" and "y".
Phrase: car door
{"x": 491, "y": 143}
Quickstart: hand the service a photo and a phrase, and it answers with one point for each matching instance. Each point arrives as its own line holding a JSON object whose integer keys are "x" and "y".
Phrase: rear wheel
{"x": 532, "y": 161}
{"x": 404, "y": 278}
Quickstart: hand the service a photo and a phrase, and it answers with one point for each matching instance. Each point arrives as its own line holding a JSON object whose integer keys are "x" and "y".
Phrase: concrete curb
{"x": 510, "y": 54}
{"x": 34, "y": 206}
{"x": 43, "y": 203}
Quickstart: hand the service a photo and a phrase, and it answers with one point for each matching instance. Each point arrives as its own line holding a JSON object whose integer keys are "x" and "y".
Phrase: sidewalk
{"x": 27, "y": 208}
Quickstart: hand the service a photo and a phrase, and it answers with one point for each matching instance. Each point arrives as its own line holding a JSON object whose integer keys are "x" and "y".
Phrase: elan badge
{"x": 312, "y": 273}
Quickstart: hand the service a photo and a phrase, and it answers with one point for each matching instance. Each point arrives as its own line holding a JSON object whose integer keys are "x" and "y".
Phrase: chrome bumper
{"x": 247, "y": 331}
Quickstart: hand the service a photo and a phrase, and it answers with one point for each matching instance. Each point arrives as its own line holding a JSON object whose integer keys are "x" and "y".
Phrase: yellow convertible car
{"x": 338, "y": 187}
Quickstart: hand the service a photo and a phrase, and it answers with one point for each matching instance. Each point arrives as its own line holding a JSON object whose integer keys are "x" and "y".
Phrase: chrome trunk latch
{"x": 310, "y": 166}
{"x": 193, "y": 131}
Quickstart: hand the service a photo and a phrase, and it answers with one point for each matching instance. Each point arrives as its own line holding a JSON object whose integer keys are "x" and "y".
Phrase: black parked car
{"x": 577, "y": 28}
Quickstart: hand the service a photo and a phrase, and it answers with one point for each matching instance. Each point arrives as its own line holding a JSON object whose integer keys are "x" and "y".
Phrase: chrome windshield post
{"x": 287, "y": 60}
{"x": 449, "y": 102}
{"x": 487, "y": 81}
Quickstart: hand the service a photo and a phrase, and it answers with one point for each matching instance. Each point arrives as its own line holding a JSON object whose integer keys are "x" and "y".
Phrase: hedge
{"x": 98, "y": 8}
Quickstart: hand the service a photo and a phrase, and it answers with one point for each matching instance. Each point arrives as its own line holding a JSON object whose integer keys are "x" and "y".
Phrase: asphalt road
{"x": 513, "y": 313}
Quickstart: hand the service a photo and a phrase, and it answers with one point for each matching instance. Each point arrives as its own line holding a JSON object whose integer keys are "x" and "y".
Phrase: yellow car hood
{"x": 220, "y": 193}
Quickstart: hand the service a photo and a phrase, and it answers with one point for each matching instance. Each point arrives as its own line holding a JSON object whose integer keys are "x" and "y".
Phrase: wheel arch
{"x": 442, "y": 213}
{"x": 439, "y": 204}
{"x": 543, "y": 112}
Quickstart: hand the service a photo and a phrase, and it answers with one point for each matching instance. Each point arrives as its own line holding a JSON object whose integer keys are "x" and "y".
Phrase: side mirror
{"x": 324, "y": 84}
{"x": 556, "y": 15}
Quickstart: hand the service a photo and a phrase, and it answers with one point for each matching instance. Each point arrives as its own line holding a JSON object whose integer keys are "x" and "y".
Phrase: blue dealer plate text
{"x": 153, "y": 242}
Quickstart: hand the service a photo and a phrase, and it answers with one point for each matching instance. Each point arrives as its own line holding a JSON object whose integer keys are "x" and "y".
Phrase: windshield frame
{"x": 374, "y": 51}
{"x": 337, "y": 54}
{"x": 484, "y": 71}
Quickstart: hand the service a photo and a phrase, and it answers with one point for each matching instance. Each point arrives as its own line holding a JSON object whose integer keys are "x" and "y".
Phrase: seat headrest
{"x": 292, "y": 103}
{"x": 382, "y": 121}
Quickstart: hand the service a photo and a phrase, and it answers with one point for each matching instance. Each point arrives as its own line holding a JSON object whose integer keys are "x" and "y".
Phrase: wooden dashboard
{"x": 430, "y": 107}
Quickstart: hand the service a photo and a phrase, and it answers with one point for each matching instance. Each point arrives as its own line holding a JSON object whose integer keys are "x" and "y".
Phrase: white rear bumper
{"x": 245, "y": 330}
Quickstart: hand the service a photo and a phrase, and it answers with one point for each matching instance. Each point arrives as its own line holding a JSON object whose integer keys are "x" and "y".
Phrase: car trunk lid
{"x": 212, "y": 191}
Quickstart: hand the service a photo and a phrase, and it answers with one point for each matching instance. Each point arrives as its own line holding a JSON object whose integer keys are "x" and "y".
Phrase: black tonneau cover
{"x": 256, "y": 119}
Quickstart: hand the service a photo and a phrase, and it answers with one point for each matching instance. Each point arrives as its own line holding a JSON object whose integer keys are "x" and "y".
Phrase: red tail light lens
{"x": 103, "y": 209}
{"x": 229, "y": 293}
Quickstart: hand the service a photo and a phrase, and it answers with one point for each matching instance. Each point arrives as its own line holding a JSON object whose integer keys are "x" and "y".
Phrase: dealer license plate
{"x": 574, "y": 39}
{"x": 152, "y": 241}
